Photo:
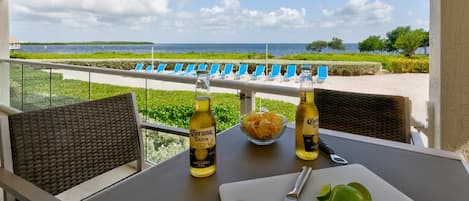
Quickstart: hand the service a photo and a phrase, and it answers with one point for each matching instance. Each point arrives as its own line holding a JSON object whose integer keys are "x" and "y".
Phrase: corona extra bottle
{"x": 202, "y": 131}
{"x": 307, "y": 119}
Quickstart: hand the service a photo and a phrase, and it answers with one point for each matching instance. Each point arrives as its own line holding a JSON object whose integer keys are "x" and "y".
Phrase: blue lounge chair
{"x": 322, "y": 73}
{"x": 291, "y": 72}
{"x": 227, "y": 71}
{"x": 138, "y": 67}
{"x": 200, "y": 67}
{"x": 275, "y": 72}
{"x": 160, "y": 68}
{"x": 242, "y": 72}
{"x": 149, "y": 69}
{"x": 258, "y": 73}
{"x": 189, "y": 70}
{"x": 177, "y": 69}
{"x": 214, "y": 70}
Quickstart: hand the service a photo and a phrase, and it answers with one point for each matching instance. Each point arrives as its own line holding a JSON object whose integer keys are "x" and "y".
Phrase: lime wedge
{"x": 324, "y": 193}
{"x": 362, "y": 189}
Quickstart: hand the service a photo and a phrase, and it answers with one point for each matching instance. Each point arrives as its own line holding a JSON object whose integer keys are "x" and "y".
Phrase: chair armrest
{"x": 165, "y": 129}
{"x": 8, "y": 110}
{"x": 416, "y": 139}
{"x": 22, "y": 189}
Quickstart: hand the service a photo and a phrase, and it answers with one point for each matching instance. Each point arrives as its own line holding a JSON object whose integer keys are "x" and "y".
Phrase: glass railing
{"x": 161, "y": 99}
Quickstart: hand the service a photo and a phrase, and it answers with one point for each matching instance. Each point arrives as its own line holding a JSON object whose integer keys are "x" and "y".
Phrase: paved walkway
{"x": 414, "y": 86}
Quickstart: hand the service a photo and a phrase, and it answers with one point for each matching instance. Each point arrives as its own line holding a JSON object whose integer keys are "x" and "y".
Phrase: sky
{"x": 212, "y": 21}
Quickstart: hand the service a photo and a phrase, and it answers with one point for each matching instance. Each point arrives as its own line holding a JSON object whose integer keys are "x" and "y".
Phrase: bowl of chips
{"x": 263, "y": 128}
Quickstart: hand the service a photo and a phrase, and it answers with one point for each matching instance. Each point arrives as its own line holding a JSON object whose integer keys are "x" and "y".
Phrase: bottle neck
{"x": 202, "y": 92}
{"x": 306, "y": 86}
{"x": 202, "y": 104}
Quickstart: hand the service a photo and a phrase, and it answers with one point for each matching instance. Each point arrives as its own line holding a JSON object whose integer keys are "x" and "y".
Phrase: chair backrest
{"x": 58, "y": 148}
{"x": 228, "y": 69}
{"x": 291, "y": 70}
{"x": 275, "y": 70}
{"x": 149, "y": 69}
{"x": 259, "y": 70}
{"x": 243, "y": 69}
{"x": 189, "y": 68}
{"x": 202, "y": 67}
{"x": 178, "y": 67}
{"x": 322, "y": 71}
{"x": 138, "y": 67}
{"x": 214, "y": 69}
{"x": 380, "y": 116}
{"x": 160, "y": 68}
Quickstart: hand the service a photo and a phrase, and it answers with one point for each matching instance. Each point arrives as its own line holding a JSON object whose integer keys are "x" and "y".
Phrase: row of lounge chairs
{"x": 227, "y": 72}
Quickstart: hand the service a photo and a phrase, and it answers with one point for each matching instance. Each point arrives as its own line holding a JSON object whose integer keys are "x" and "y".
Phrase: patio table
{"x": 420, "y": 173}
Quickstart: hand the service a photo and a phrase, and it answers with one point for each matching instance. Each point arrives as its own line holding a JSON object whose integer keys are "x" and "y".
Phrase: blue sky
{"x": 212, "y": 21}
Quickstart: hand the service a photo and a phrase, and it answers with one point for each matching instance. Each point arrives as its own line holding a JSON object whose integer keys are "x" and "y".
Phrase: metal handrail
{"x": 230, "y": 84}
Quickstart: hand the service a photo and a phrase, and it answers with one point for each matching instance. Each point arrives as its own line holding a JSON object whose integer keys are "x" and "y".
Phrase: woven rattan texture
{"x": 372, "y": 115}
{"x": 61, "y": 147}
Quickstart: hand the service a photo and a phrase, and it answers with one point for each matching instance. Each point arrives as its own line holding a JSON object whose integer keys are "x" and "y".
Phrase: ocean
{"x": 273, "y": 49}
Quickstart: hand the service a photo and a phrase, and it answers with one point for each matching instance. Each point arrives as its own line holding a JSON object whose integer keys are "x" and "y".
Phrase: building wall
{"x": 4, "y": 53}
{"x": 451, "y": 91}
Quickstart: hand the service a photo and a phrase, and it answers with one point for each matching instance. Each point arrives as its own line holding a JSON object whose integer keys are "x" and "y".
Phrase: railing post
{"x": 247, "y": 100}
{"x": 4, "y": 54}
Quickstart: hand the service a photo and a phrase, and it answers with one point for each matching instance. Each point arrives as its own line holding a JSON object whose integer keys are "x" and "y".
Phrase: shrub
{"x": 410, "y": 66}
{"x": 179, "y": 115}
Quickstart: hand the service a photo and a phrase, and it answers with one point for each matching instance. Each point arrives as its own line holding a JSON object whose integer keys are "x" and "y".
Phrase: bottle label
{"x": 310, "y": 131}
{"x": 202, "y": 147}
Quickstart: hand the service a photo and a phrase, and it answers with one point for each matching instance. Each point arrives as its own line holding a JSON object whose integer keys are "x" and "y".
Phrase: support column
{"x": 450, "y": 91}
{"x": 247, "y": 100}
{"x": 435, "y": 83}
{"x": 4, "y": 54}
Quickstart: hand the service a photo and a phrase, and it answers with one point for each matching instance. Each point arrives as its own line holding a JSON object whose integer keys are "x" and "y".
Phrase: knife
{"x": 294, "y": 194}
{"x": 328, "y": 150}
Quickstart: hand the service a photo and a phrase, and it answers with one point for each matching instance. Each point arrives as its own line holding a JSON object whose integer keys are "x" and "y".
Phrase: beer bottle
{"x": 202, "y": 135}
{"x": 307, "y": 122}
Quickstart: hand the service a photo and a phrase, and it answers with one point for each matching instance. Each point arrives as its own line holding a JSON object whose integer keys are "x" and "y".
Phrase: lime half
{"x": 324, "y": 193}
{"x": 362, "y": 189}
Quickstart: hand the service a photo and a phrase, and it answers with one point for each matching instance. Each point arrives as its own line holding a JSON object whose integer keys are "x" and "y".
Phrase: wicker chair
{"x": 380, "y": 116}
{"x": 58, "y": 148}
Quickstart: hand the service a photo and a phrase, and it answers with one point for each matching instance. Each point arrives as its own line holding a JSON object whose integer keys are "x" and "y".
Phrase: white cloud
{"x": 230, "y": 15}
{"x": 425, "y": 24}
{"x": 226, "y": 15}
{"x": 358, "y": 12}
{"x": 89, "y": 13}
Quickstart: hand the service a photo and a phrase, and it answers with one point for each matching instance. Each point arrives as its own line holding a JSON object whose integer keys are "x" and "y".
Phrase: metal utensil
{"x": 294, "y": 194}
{"x": 328, "y": 150}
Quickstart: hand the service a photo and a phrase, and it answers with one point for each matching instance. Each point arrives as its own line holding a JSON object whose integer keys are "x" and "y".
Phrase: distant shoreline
{"x": 91, "y": 43}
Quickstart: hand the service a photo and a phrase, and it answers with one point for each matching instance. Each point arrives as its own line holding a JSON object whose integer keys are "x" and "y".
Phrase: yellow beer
{"x": 307, "y": 120}
{"x": 202, "y": 133}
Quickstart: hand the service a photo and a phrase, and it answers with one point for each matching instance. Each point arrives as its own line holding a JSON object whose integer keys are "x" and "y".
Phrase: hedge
{"x": 410, "y": 66}
{"x": 179, "y": 115}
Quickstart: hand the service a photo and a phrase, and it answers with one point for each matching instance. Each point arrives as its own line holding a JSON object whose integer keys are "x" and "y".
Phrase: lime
{"x": 363, "y": 190}
{"x": 343, "y": 192}
{"x": 324, "y": 193}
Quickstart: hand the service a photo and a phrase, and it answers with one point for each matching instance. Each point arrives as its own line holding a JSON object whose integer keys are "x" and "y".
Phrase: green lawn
{"x": 385, "y": 60}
